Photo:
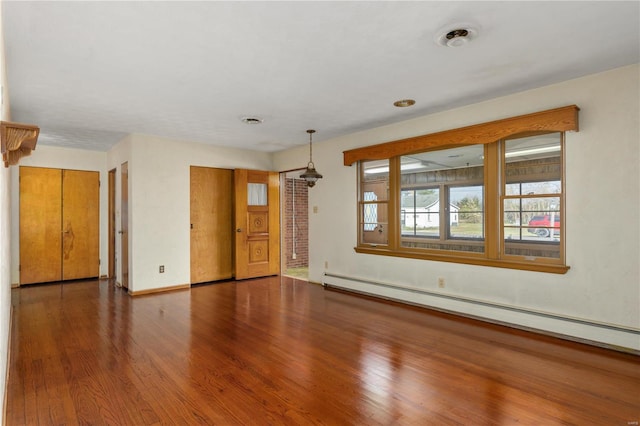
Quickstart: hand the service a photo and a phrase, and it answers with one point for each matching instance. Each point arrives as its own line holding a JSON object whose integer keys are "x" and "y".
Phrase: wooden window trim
{"x": 552, "y": 120}
{"x": 467, "y": 259}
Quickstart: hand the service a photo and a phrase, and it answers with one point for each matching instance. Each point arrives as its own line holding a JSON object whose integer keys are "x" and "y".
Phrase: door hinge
{"x": 99, "y": 261}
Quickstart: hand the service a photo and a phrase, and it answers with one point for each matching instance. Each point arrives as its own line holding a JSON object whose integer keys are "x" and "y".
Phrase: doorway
{"x": 111, "y": 273}
{"x": 235, "y": 224}
{"x": 124, "y": 224}
{"x": 295, "y": 225}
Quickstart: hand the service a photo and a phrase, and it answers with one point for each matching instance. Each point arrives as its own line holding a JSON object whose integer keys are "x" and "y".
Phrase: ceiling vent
{"x": 456, "y": 35}
{"x": 252, "y": 120}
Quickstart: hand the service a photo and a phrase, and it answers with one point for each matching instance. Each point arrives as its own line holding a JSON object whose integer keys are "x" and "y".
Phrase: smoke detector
{"x": 456, "y": 35}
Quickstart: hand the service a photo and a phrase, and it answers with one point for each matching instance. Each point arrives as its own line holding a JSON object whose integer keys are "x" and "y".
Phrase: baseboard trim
{"x": 160, "y": 290}
{"x": 15, "y": 285}
{"x": 621, "y": 338}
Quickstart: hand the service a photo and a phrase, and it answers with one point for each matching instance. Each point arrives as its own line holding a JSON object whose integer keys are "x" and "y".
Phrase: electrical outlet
{"x": 326, "y": 264}
{"x": 162, "y": 269}
{"x": 441, "y": 282}
{"x": 294, "y": 256}
{"x": 315, "y": 209}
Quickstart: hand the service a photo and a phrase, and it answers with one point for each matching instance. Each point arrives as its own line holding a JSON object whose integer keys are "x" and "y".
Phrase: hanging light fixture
{"x": 310, "y": 175}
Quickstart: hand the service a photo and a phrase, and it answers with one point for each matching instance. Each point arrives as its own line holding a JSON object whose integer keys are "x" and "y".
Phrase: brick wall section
{"x": 301, "y": 223}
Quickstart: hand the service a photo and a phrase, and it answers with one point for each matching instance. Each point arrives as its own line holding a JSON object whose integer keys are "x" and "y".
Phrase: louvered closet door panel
{"x": 40, "y": 223}
{"x": 80, "y": 224}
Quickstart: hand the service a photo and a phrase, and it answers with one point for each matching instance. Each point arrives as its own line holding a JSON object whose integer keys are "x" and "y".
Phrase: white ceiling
{"x": 89, "y": 73}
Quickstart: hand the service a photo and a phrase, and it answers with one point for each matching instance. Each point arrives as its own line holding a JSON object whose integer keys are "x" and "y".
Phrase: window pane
{"x": 534, "y": 230}
{"x": 257, "y": 194}
{"x": 442, "y": 206}
{"x": 370, "y": 211}
{"x": 512, "y": 228}
{"x": 534, "y": 188}
{"x": 535, "y": 222}
{"x": 374, "y": 229}
{"x": 533, "y": 147}
{"x": 375, "y": 179}
{"x": 537, "y": 236}
{"x": 535, "y": 163}
{"x": 466, "y": 212}
{"x": 542, "y": 222}
{"x": 420, "y": 212}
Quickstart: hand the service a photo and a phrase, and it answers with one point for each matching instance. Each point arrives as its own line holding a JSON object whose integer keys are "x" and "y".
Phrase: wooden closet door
{"x": 211, "y": 224}
{"x": 40, "y": 225}
{"x": 80, "y": 224}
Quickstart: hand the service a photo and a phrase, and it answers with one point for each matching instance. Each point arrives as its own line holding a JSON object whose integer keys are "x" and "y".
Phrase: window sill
{"x": 468, "y": 259}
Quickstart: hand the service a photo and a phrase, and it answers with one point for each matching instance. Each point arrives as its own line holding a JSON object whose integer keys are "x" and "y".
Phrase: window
{"x": 374, "y": 201}
{"x": 442, "y": 199}
{"x": 490, "y": 194}
{"x": 532, "y": 196}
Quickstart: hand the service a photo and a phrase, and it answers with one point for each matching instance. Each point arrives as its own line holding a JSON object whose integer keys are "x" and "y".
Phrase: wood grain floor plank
{"x": 277, "y": 351}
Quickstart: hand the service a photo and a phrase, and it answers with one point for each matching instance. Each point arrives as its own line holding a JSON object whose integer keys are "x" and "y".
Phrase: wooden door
{"x": 124, "y": 222}
{"x": 40, "y": 225}
{"x": 211, "y": 224}
{"x": 112, "y": 224}
{"x": 257, "y": 221}
{"x": 80, "y": 224}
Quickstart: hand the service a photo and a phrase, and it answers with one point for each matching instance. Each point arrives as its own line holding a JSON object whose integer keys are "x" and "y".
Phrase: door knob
{"x": 120, "y": 232}
{"x": 238, "y": 230}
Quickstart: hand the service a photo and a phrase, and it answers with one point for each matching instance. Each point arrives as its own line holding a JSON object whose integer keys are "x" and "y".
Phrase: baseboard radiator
{"x": 611, "y": 336}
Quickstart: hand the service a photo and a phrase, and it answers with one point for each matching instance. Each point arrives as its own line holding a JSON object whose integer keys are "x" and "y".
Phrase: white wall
{"x": 602, "y": 183}
{"x": 159, "y": 178}
{"x": 159, "y": 230}
{"x": 60, "y": 158}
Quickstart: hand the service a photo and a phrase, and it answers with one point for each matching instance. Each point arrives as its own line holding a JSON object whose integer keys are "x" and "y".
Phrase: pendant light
{"x": 310, "y": 175}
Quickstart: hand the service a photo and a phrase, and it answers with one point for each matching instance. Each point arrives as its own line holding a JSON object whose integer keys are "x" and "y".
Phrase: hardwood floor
{"x": 281, "y": 351}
